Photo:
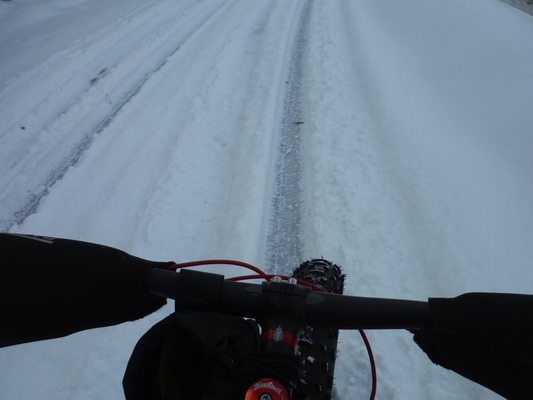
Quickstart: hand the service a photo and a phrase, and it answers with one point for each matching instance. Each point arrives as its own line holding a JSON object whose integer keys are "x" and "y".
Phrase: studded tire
{"x": 317, "y": 348}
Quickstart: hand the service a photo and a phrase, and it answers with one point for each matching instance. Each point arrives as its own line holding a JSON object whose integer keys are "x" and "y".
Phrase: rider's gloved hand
{"x": 485, "y": 337}
{"x": 53, "y": 287}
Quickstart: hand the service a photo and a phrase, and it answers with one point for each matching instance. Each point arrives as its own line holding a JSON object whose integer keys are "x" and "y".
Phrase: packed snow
{"x": 155, "y": 127}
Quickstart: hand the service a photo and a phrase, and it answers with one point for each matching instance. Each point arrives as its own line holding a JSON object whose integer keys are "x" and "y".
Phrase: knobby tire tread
{"x": 317, "y": 348}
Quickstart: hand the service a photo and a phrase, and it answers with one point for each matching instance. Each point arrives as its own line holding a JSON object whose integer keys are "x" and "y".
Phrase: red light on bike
{"x": 266, "y": 389}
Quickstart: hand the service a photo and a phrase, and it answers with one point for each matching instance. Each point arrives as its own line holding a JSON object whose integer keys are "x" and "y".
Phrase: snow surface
{"x": 154, "y": 126}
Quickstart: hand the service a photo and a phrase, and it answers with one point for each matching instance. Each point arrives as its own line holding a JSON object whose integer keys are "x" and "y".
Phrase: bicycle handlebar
{"x": 207, "y": 291}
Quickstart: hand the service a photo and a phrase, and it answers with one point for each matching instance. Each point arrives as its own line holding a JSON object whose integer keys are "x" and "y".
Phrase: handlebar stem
{"x": 281, "y": 316}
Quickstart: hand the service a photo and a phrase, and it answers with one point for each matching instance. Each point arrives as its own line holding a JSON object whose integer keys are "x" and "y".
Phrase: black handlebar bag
{"x": 190, "y": 356}
{"x": 485, "y": 337}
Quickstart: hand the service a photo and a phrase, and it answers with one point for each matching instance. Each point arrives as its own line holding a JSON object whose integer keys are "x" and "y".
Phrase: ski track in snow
{"x": 163, "y": 130}
{"x": 284, "y": 247}
{"x": 32, "y": 177}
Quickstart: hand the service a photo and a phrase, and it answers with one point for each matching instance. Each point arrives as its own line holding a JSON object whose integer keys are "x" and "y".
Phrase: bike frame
{"x": 283, "y": 309}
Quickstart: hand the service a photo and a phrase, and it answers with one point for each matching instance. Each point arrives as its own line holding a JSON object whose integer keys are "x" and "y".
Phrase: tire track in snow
{"x": 284, "y": 242}
{"x": 16, "y": 211}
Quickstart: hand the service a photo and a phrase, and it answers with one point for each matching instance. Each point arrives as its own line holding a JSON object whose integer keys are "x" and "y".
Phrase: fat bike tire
{"x": 317, "y": 348}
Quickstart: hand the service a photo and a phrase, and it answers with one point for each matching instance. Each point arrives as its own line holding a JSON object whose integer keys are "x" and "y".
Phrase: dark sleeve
{"x": 53, "y": 287}
{"x": 485, "y": 337}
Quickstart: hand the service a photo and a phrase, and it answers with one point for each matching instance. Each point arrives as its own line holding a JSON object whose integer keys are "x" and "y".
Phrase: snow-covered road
{"x": 160, "y": 127}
